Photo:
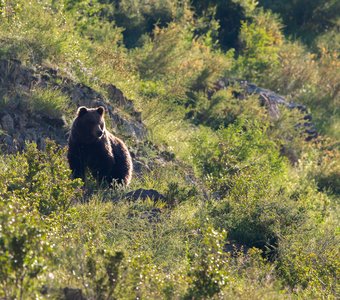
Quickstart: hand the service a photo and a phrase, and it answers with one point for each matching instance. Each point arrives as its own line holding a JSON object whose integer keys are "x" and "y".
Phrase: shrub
{"x": 176, "y": 56}
{"x": 41, "y": 178}
{"x": 140, "y": 18}
{"x": 241, "y": 148}
{"x": 320, "y": 164}
{"x": 24, "y": 248}
{"x": 34, "y": 32}
{"x": 33, "y": 185}
{"x": 209, "y": 271}
{"x": 223, "y": 108}
{"x": 310, "y": 80}
{"x": 309, "y": 262}
{"x": 257, "y": 203}
{"x": 102, "y": 272}
{"x": 94, "y": 20}
{"x": 261, "y": 39}
{"x": 305, "y": 22}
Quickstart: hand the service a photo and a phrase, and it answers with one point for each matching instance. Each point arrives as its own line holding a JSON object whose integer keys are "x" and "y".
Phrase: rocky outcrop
{"x": 18, "y": 124}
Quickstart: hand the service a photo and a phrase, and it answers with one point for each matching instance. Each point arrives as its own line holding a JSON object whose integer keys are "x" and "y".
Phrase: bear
{"x": 91, "y": 145}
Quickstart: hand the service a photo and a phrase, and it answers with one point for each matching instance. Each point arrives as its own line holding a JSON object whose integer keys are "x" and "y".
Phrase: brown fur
{"x": 92, "y": 146}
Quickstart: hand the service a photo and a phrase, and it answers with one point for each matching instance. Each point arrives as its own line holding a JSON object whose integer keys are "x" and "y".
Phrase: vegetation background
{"x": 251, "y": 205}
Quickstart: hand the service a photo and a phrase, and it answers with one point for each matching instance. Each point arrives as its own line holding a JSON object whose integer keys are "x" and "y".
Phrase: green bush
{"x": 140, "y": 17}
{"x": 309, "y": 262}
{"x": 223, "y": 108}
{"x": 311, "y": 80}
{"x": 94, "y": 20}
{"x": 261, "y": 39}
{"x": 176, "y": 56}
{"x": 241, "y": 148}
{"x": 306, "y": 22}
{"x": 36, "y": 191}
{"x": 41, "y": 178}
{"x": 320, "y": 164}
{"x": 24, "y": 248}
{"x": 257, "y": 202}
{"x": 209, "y": 272}
{"x": 34, "y": 32}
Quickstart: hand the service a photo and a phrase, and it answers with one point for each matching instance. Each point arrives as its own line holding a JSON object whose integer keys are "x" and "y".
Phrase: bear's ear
{"x": 101, "y": 110}
{"x": 81, "y": 111}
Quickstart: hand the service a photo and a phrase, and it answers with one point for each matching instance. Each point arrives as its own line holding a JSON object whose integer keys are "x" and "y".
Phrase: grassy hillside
{"x": 250, "y": 206}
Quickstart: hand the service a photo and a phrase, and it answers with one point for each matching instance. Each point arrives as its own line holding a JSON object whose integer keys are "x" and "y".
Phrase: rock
{"x": 116, "y": 95}
{"x": 144, "y": 194}
{"x": 54, "y": 121}
{"x": 14, "y": 73}
{"x": 273, "y": 109}
{"x": 22, "y": 124}
{"x": 168, "y": 156}
{"x": 127, "y": 127}
{"x": 8, "y": 141}
{"x": 139, "y": 166}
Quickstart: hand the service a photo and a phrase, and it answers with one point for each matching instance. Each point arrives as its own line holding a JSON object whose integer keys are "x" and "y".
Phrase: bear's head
{"x": 89, "y": 125}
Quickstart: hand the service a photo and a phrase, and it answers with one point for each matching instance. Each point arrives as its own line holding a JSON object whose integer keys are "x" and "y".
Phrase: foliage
{"x": 42, "y": 179}
{"x": 309, "y": 80}
{"x": 104, "y": 282}
{"x": 23, "y": 248}
{"x": 92, "y": 19}
{"x": 210, "y": 273}
{"x": 241, "y": 148}
{"x": 306, "y": 21}
{"x": 310, "y": 262}
{"x": 222, "y": 108}
{"x": 33, "y": 185}
{"x": 218, "y": 157}
{"x": 140, "y": 17}
{"x": 34, "y": 32}
{"x": 228, "y": 14}
{"x": 48, "y": 102}
{"x": 320, "y": 164}
{"x": 255, "y": 212}
{"x": 261, "y": 40}
{"x": 176, "y": 56}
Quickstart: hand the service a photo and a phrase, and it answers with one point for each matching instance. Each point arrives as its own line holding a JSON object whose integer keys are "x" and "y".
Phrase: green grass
{"x": 225, "y": 173}
{"x": 49, "y": 102}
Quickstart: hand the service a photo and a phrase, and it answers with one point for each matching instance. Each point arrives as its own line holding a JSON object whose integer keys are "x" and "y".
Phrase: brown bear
{"x": 91, "y": 146}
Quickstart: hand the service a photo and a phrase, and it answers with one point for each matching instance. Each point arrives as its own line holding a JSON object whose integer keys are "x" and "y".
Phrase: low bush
{"x": 308, "y": 261}
{"x": 223, "y": 108}
{"x": 41, "y": 178}
{"x": 256, "y": 202}
{"x": 36, "y": 191}
{"x": 209, "y": 271}
{"x": 24, "y": 249}
{"x": 239, "y": 149}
